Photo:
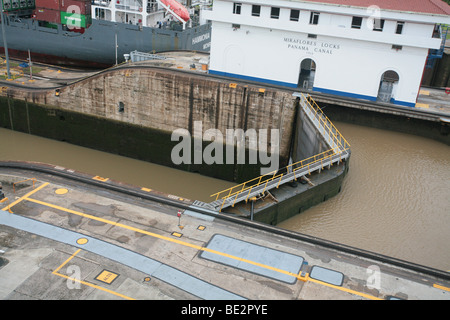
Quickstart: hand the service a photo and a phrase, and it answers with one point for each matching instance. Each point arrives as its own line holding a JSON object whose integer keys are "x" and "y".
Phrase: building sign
{"x": 311, "y": 46}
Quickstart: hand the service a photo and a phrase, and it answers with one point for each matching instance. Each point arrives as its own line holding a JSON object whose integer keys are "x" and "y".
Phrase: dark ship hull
{"x": 96, "y": 46}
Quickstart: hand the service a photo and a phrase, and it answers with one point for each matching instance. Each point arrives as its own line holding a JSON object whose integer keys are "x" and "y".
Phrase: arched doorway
{"x": 307, "y": 74}
{"x": 388, "y": 84}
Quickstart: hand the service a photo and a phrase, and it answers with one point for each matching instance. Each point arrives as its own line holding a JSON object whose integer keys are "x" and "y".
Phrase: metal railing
{"x": 31, "y": 179}
{"x": 339, "y": 151}
{"x": 137, "y": 56}
{"x": 259, "y": 185}
{"x": 324, "y": 125}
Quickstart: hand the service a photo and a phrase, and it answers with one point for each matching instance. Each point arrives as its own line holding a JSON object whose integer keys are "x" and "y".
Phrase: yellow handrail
{"x": 327, "y": 125}
{"x": 302, "y": 163}
{"x": 236, "y": 194}
{"x": 316, "y": 108}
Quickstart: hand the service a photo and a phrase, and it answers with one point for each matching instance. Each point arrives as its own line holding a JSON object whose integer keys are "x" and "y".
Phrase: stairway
{"x": 339, "y": 151}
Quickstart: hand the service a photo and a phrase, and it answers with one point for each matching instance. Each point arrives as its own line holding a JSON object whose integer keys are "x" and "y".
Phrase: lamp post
{"x": 5, "y": 45}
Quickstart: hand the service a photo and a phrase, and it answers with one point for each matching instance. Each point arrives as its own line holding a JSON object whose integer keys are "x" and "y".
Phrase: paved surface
{"x": 436, "y": 100}
{"x": 43, "y": 76}
{"x": 65, "y": 240}
{"x": 62, "y": 239}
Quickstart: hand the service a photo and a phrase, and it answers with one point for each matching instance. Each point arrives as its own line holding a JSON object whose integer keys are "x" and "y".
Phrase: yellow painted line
{"x": 186, "y": 244}
{"x": 441, "y": 287}
{"x": 424, "y": 92}
{"x": 197, "y": 247}
{"x": 55, "y": 272}
{"x": 155, "y": 235}
{"x": 250, "y": 262}
{"x": 65, "y": 262}
{"x": 422, "y": 105}
{"x": 368, "y": 296}
{"x": 96, "y": 287}
{"x": 25, "y": 197}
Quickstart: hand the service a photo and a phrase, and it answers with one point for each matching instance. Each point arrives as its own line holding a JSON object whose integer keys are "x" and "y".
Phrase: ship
{"x": 98, "y": 33}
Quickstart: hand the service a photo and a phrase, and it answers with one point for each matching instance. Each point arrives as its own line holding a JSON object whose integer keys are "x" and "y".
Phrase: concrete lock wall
{"x": 308, "y": 141}
{"x": 133, "y": 112}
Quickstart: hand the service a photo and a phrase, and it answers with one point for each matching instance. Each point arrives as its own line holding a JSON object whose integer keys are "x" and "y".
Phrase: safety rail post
{"x": 248, "y": 194}
{"x": 235, "y": 198}
{"x": 280, "y": 180}
{"x": 223, "y": 202}
{"x": 265, "y": 187}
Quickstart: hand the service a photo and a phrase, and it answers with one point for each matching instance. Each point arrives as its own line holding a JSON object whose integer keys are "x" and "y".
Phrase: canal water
{"x": 395, "y": 199}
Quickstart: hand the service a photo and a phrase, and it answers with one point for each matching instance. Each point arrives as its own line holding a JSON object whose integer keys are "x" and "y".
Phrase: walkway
{"x": 339, "y": 150}
{"x": 151, "y": 267}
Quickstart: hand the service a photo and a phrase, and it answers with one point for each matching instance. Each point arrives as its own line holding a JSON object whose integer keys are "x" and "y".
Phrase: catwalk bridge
{"x": 339, "y": 150}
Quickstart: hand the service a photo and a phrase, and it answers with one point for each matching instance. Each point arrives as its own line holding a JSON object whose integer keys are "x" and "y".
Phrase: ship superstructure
{"x": 145, "y": 13}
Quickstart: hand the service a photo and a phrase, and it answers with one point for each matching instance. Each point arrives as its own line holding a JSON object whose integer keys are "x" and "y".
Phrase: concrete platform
{"x": 42, "y": 77}
{"x": 66, "y": 239}
{"x": 434, "y": 100}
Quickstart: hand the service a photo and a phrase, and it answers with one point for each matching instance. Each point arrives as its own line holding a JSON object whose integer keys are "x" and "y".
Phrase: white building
{"x": 367, "y": 49}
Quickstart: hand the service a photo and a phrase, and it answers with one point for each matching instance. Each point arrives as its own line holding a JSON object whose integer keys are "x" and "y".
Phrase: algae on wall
{"x": 133, "y": 112}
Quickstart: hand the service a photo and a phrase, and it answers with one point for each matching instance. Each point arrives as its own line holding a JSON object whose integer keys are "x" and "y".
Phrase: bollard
{"x": 179, "y": 220}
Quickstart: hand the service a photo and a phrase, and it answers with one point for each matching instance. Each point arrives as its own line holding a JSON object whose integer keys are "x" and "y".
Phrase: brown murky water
{"x": 21, "y": 146}
{"x": 395, "y": 199}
